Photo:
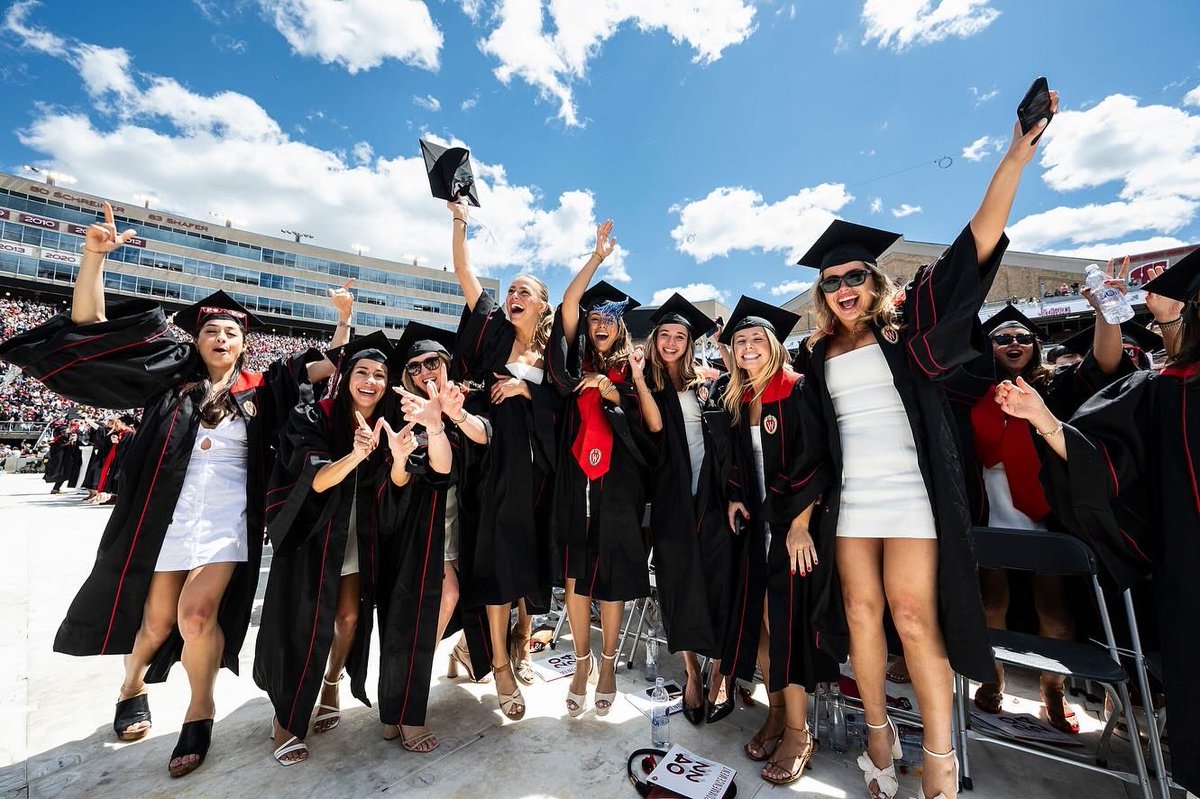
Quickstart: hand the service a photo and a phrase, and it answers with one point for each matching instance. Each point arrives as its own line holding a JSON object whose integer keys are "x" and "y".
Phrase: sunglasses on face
{"x": 1004, "y": 339}
{"x": 430, "y": 364}
{"x": 855, "y": 277}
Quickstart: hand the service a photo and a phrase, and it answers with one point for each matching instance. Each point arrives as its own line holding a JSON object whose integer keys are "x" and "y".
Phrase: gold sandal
{"x": 509, "y": 701}
{"x": 801, "y": 761}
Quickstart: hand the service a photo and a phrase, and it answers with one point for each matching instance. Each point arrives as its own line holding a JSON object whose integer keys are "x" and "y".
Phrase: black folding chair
{"x": 1040, "y": 552}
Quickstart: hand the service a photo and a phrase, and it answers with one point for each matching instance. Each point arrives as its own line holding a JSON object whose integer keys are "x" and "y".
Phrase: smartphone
{"x": 1035, "y": 106}
{"x": 674, "y": 690}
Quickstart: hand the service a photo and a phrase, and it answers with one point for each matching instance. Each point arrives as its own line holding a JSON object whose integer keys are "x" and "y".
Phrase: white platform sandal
{"x": 608, "y": 697}
{"x": 292, "y": 744}
{"x": 886, "y": 783}
{"x": 953, "y": 756}
{"x": 577, "y": 703}
{"x": 334, "y": 714}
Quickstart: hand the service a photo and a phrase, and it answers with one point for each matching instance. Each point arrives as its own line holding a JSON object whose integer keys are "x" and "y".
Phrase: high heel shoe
{"x": 461, "y": 656}
{"x": 886, "y": 783}
{"x": 695, "y": 715}
{"x": 607, "y": 697}
{"x": 321, "y": 722}
{"x": 577, "y": 703}
{"x": 719, "y": 710}
{"x": 518, "y": 654}
{"x": 800, "y": 761}
{"x": 953, "y": 756}
{"x": 292, "y": 744}
{"x": 508, "y": 702}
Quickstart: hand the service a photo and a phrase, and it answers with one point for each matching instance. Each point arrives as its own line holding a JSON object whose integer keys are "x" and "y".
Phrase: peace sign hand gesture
{"x": 401, "y": 443}
{"x": 365, "y": 439}
{"x": 102, "y": 238}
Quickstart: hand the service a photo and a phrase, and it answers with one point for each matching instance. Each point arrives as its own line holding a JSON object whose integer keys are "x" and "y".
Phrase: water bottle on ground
{"x": 1113, "y": 304}
{"x": 652, "y": 659}
{"x": 837, "y": 721}
{"x": 660, "y": 718}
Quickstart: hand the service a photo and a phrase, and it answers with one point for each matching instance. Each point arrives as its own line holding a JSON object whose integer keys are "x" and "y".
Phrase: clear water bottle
{"x": 652, "y": 659}
{"x": 1112, "y": 302}
{"x": 837, "y": 721}
{"x": 660, "y": 716}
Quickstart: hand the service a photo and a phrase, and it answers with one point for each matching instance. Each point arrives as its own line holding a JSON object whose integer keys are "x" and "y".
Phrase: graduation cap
{"x": 1131, "y": 333}
{"x": 843, "y": 242}
{"x": 450, "y": 175}
{"x": 217, "y": 305}
{"x": 750, "y": 312}
{"x": 374, "y": 346}
{"x": 607, "y": 300}
{"x": 1181, "y": 281}
{"x": 1008, "y": 316}
{"x": 421, "y": 339}
{"x": 129, "y": 420}
{"x": 638, "y": 322}
{"x": 678, "y": 311}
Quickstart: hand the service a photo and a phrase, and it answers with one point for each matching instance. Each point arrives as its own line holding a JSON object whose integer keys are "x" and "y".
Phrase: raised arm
{"x": 605, "y": 243}
{"x": 1107, "y": 346}
{"x": 343, "y": 302}
{"x": 467, "y": 278}
{"x": 1167, "y": 312}
{"x": 87, "y": 298}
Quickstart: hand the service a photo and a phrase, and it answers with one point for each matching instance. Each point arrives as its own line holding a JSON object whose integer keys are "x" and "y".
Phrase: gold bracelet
{"x": 1058, "y": 429}
{"x": 441, "y": 429}
{"x": 460, "y": 419}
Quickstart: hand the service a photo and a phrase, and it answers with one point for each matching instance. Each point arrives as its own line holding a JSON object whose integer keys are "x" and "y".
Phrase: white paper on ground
{"x": 690, "y": 775}
{"x": 555, "y": 665}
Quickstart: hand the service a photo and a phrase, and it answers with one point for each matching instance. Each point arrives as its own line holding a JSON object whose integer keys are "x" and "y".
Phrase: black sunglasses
{"x": 1004, "y": 339}
{"x": 430, "y": 364}
{"x": 855, "y": 277}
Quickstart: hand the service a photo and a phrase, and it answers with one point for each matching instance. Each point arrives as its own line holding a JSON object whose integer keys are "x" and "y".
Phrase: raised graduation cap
{"x": 376, "y": 346}
{"x": 1181, "y": 281}
{"x": 1131, "y": 333}
{"x": 607, "y": 299}
{"x": 843, "y": 242}
{"x": 217, "y": 305}
{"x": 750, "y": 312}
{"x": 450, "y": 174}
{"x": 1009, "y": 315}
{"x": 679, "y": 311}
{"x": 420, "y": 339}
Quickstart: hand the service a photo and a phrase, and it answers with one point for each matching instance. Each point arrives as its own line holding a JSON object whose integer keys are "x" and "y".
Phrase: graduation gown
{"x": 605, "y": 553}
{"x": 103, "y": 447}
{"x": 110, "y": 474}
{"x": 693, "y": 546}
{"x": 309, "y": 534}
{"x": 132, "y": 361}
{"x": 941, "y": 332}
{"x": 66, "y": 460}
{"x": 795, "y": 476}
{"x": 1130, "y": 488}
{"x": 509, "y": 545}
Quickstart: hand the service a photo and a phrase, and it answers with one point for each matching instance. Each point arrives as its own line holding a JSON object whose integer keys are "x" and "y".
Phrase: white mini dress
{"x": 883, "y": 492}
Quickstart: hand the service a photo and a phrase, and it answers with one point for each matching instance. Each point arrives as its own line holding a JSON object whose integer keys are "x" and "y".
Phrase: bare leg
{"x": 345, "y": 623}
{"x": 1054, "y": 621}
{"x": 693, "y": 696}
{"x": 506, "y": 682}
{"x": 579, "y": 616}
{"x": 719, "y": 686}
{"x": 158, "y": 620}
{"x": 766, "y": 740}
{"x": 610, "y": 629}
{"x": 795, "y": 747}
{"x": 524, "y": 628}
{"x": 993, "y": 587}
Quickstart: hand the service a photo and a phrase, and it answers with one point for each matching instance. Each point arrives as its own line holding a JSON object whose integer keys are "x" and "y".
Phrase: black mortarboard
{"x": 419, "y": 339}
{"x": 638, "y": 322}
{"x": 1181, "y": 281}
{"x": 607, "y": 299}
{"x": 756, "y": 313}
{"x": 1131, "y": 333}
{"x": 843, "y": 242}
{"x": 217, "y": 305}
{"x": 1009, "y": 315}
{"x": 129, "y": 420}
{"x": 375, "y": 346}
{"x": 450, "y": 175}
{"x": 677, "y": 310}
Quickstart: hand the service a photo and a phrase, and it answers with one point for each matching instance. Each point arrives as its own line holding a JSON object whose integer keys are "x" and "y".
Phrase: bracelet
{"x": 1173, "y": 323}
{"x": 460, "y": 219}
{"x": 98, "y": 252}
{"x": 460, "y": 419}
{"x": 441, "y": 429}
{"x": 1058, "y": 429}
{"x": 343, "y": 324}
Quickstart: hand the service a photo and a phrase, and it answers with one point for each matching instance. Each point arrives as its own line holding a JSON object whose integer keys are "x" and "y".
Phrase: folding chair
{"x": 1042, "y": 552}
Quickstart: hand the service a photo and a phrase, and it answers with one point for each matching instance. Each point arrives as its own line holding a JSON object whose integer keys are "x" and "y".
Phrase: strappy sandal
{"x": 989, "y": 697}
{"x": 518, "y": 652}
{"x": 950, "y": 754}
{"x": 131, "y": 711}
{"x": 414, "y": 744}
{"x": 759, "y": 753}
{"x": 607, "y": 697}
{"x": 1057, "y": 713}
{"x": 194, "y": 739}
{"x": 460, "y": 656}
{"x": 801, "y": 761}
{"x": 334, "y": 715}
{"x": 509, "y": 701}
{"x": 292, "y": 744}
{"x": 886, "y": 782}
{"x": 577, "y": 703}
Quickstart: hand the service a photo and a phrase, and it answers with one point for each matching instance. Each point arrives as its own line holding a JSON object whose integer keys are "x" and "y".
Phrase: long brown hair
{"x": 660, "y": 375}
{"x": 617, "y": 355}
{"x": 883, "y": 313}
{"x": 216, "y": 404}
{"x": 739, "y": 379}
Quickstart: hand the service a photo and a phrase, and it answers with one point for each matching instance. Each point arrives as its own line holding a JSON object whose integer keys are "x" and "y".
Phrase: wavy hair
{"x": 660, "y": 375}
{"x": 740, "y": 380}
{"x": 883, "y": 312}
{"x": 616, "y": 357}
{"x": 541, "y": 333}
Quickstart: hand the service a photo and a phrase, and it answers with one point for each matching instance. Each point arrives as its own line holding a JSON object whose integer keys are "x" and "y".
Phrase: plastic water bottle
{"x": 1112, "y": 302}
{"x": 837, "y": 721}
{"x": 660, "y": 716}
{"x": 652, "y": 659}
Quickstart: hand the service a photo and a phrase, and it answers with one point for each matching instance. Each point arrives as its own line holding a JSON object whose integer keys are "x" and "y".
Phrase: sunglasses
{"x": 855, "y": 277}
{"x": 1004, "y": 339}
{"x": 430, "y": 364}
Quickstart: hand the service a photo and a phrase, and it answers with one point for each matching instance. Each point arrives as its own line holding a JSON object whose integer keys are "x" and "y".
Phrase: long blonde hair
{"x": 541, "y": 334}
{"x": 739, "y": 379}
{"x": 660, "y": 375}
{"x": 883, "y": 313}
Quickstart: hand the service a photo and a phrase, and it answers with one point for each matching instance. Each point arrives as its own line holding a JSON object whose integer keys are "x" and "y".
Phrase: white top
{"x": 523, "y": 371}
{"x": 694, "y": 430}
{"x": 209, "y": 523}
{"x": 1001, "y": 511}
{"x": 756, "y": 445}
{"x": 883, "y": 492}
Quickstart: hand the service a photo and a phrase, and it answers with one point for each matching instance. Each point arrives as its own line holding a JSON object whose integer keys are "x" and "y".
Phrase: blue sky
{"x": 721, "y": 142}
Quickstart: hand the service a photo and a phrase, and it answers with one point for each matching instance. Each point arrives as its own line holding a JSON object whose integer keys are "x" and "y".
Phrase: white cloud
{"x": 1094, "y": 222}
{"x": 736, "y": 218}
{"x": 758, "y": 285}
{"x": 363, "y": 152}
{"x": 38, "y": 39}
{"x": 906, "y": 209}
{"x": 1192, "y": 97}
{"x": 876, "y": 204}
{"x": 358, "y": 34}
{"x": 470, "y": 102}
{"x": 791, "y": 288}
{"x": 428, "y": 102}
{"x": 900, "y": 24}
{"x": 841, "y": 44}
{"x": 1102, "y": 251}
{"x": 693, "y": 292}
{"x": 472, "y": 8}
{"x": 982, "y": 147}
{"x": 983, "y": 97}
{"x": 551, "y": 57}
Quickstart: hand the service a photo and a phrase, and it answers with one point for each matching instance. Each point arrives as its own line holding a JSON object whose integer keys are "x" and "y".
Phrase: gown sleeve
{"x": 122, "y": 362}
{"x": 485, "y": 338}
{"x": 294, "y": 510}
{"x": 1070, "y": 387}
{"x": 941, "y": 306}
{"x": 807, "y": 472}
{"x": 564, "y": 359}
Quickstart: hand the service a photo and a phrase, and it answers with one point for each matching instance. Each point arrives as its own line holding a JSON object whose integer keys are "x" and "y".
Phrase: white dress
{"x": 693, "y": 429}
{"x": 523, "y": 371}
{"x": 883, "y": 492}
{"x": 1001, "y": 511}
{"x": 209, "y": 522}
{"x": 760, "y": 474}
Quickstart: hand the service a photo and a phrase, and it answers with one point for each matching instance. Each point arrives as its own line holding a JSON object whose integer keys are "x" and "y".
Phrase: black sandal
{"x": 194, "y": 739}
{"x": 133, "y": 710}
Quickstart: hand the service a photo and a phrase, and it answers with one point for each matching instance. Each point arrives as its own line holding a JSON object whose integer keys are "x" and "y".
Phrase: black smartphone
{"x": 1035, "y": 106}
{"x": 674, "y": 690}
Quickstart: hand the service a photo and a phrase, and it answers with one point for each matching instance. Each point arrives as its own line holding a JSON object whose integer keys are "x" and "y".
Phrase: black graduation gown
{"x": 66, "y": 460}
{"x": 1131, "y": 488}
{"x": 795, "y": 476}
{"x": 693, "y": 546}
{"x": 409, "y": 588}
{"x": 110, "y": 478}
{"x": 103, "y": 447}
{"x": 509, "y": 550}
{"x": 941, "y": 332}
{"x": 606, "y": 553}
{"x": 309, "y": 534}
{"x": 131, "y": 361}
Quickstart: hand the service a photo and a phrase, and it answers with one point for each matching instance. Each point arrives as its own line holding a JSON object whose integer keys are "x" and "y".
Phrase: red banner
{"x": 39, "y": 221}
